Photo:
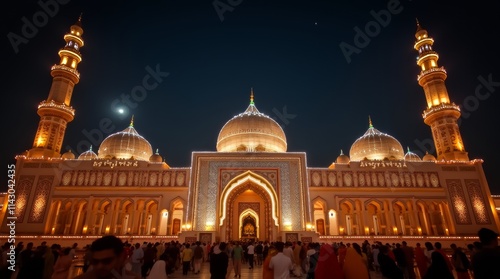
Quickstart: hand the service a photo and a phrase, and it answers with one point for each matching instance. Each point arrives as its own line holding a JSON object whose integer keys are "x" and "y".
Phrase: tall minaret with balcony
{"x": 441, "y": 114}
{"x": 56, "y": 112}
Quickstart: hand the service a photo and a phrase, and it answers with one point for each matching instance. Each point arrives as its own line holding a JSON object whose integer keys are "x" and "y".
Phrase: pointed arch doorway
{"x": 249, "y": 209}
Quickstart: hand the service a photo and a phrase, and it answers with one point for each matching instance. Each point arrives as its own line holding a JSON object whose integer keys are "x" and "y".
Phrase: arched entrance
{"x": 249, "y": 209}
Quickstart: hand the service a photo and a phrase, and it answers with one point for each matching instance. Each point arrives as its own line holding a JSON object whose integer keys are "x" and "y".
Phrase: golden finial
{"x": 370, "y": 122}
{"x": 132, "y": 121}
{"x": 251, "y": 95}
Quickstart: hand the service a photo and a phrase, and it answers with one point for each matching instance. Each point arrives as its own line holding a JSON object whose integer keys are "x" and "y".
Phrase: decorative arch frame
{"x": 241, "y": 180}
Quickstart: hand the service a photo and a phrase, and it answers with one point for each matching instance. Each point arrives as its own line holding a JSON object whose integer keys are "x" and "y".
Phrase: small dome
{"x": 127, "y": 144}
{"x": 68, "y": 155}
{"x": 410, "y": 156}
{"x": 375, "y": 145}
{"x": 88, "y": 155}
{"x": 156, "y": 158}
{"x": 429, "y": 157}
{"x": 342, "y": 158}
{"x": 251, "y": 131}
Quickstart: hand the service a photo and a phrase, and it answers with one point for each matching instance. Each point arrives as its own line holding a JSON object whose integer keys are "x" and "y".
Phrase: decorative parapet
{"x": 440, "y": 107}
{"x": 52, "y": 104}
{"x": 65, "y": 68}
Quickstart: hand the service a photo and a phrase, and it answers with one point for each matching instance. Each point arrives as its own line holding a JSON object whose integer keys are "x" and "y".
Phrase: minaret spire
{"x": 441, "y": 114}
{"x": 132, "y": 121}
{"x": 56, "y": 111}
{"x": 370, "y": 124}
{"x": 251, "y": 96}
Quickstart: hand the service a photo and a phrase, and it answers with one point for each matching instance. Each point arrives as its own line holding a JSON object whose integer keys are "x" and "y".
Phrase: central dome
{"x": 375, "y": 145}
{"x": 127, "y": 144}
{"x": 251, "y": 131}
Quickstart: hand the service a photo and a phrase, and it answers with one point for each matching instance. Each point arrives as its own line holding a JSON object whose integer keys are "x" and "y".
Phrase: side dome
{"x": 88, "y": 155}
{"x": 127, "y": 144}
{"x": 156, "y": 158}
{"x": 412, "y": 157}
{"x": 429, "y": 157}
{"x": 375, "y": 145}
{"x": 342, "y": 158}
{"x": 251, "y": 131}
{"x": 68, "y": 155}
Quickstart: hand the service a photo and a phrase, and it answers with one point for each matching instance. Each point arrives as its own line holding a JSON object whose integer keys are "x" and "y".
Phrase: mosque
{"x": 250, "y": 187}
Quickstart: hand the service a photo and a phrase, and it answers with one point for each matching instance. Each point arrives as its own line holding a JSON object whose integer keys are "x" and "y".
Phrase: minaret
{"x": 56, "y": 112}
{"x": 441, "y": 114}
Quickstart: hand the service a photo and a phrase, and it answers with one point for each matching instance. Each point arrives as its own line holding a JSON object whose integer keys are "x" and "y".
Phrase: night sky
{"x": 288, "y": 51}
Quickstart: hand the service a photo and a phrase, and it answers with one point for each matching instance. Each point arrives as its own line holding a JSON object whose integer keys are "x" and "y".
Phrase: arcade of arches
{"x": 249, "y": 216}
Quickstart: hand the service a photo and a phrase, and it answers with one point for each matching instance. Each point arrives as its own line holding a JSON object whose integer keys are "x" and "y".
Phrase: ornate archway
{"x": 261, "y": 200}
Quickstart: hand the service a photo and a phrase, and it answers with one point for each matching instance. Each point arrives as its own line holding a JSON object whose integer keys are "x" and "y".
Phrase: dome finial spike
{"x": 251, "y": 96}
{"x": 132, "y": 121}
{"x": 90, "y": 147}
{"x": 157, "y": 151}
{"x": 370, "y": 121}
{"x": 408, "y": 148}
{"x": 341, "y": 152}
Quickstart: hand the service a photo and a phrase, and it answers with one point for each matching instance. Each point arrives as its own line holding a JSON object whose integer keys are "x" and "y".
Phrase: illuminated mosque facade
{"x": 250, "y": 187}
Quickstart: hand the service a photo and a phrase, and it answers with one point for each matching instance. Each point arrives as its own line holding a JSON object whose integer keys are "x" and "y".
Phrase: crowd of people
{"x": 110, "y": 257}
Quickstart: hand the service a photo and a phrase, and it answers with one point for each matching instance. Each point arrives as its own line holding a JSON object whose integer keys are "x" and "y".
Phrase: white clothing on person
{"x": 281, "y": 266}
{"x": 158, "y": 270}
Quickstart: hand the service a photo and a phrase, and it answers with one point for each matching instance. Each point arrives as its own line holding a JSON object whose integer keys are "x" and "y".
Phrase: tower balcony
{"x": 431, "y": 70}
{"x": 63, "y": 110}
{"x": 441, "y": 108}
{"x": 67, "y": 69}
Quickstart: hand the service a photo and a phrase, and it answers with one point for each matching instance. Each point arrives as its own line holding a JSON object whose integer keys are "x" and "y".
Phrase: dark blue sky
{"x": 288, "y": 51}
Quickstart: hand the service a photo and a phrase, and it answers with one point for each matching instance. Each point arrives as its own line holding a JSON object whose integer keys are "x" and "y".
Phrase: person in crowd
{"x": 375, "y": 252}
{"x": 409, "y": 254}
{"x": 438, "y": 247}
{"x": 429, "y": 248}
{"x": 460, "y": 262}
{"x": 388, "y": 266}
{"x": 328, "y": 265}
{"x": 63, "y": 264}
{"x": 342, "y": 253}
{"x": 5, "y": 272}
{"x": 485, "y": 262}
{"x": 159, "y": 269}
{"x": 259, "y": 252}
{"x": 108, "y": 260}
{"x": 198, "y": 257}
{"x": 281, "y": 264}
{"x": 355, "y": 267}
{"x": 267, "y": 272}
{"x": 237, "y": 256}
{"x": 250, "y": 255}
{"x": 312, "y": 258}
{"x": 219, "y": 261}
{"x": 297, "y": 262}
{"x": 25, "y": 262}
{"x": 421, "y": 260}
{"x": 148, "y": 260}
{"x": 400, "y": 258}
{"x": 439, "y": 268}
{"x": 137, "y": 258}
{"x": 186, "y": 256}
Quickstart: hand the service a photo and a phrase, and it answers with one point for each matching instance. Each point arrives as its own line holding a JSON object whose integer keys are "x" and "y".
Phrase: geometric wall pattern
{"x": 458, "y": 202}
{"x": 479, "y": 208}
{"x": 40, "y": 199}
